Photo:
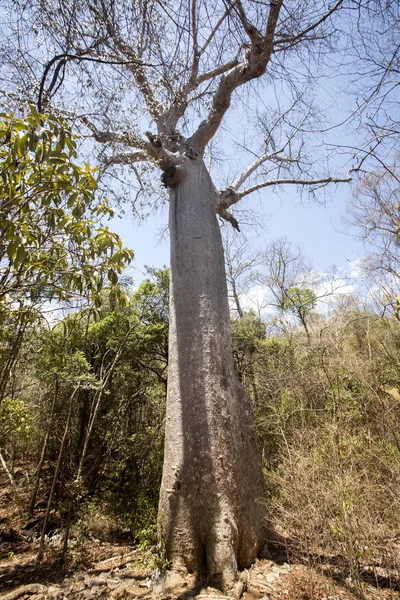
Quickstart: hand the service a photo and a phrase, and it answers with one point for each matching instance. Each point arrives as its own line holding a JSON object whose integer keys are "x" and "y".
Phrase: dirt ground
{"x": 117, "y": 571}
{"x": 98, "y": 569}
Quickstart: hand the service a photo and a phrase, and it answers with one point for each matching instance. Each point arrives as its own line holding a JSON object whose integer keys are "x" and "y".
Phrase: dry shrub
{"x": 339, "y": 495}
{"x": 328, "y": 419}
{"x": 97, "y": 523}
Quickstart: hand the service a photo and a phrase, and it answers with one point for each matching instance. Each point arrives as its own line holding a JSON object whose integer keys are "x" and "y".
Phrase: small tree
{"x": 54, "y": 245}
{"x": 300, "y": 302}
{"x": 375, "y": 211}
{"x": 292, "y": 286}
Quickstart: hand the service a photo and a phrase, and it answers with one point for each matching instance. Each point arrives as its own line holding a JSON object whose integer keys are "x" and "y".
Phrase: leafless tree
{"x": 153, "y": 83}
{"x": 374, "y": 210}
{"x": 241, "y": 263}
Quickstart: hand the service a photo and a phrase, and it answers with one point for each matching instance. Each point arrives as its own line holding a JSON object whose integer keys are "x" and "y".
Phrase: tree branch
{"x": 214, "y": 31}
{"x": 220, "y": 70}
{"x": 271, "y": 182}
{"x": 9, "y": 475}
{"x": 125, "y": 158}
{"x": 253, "y": 33}
{"x": 134, "y": 64}
{"x": 62, "y": 59}
{"x": 252, "y": 67}
{"x": 120, "y": 137}
{"x": 292, "y": 40}
{"x": 258, "y": 162}
{"x": 196, "y": 51}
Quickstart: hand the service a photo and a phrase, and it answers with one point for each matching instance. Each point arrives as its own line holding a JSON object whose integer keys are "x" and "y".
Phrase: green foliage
{"x": 16, "y": 421}
{"x": 299, "y": 300}
{"x": 54, "y": 245}
{"x": 248, "y": 334}
{"x": 122, "y": 468}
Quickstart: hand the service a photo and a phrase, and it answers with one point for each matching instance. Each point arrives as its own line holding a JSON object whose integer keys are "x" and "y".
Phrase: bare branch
{"x": 253, "y": 67}
{"x": 220, "y": 70}
{"x": 214, "y": 31}
{"x": 125, "y": 158}
{"x": 257, "y": 163}
{"x": 127, "y": 138}
{"x": 310, "y": 182}
{"x": 253, "y": 33}
{"x": 196, "y": 52}
{"x": 227, "y": 216}
{"x": 60, "y": 60}
{"x": 292, "y": 40}
{"x": 134, "y": 64}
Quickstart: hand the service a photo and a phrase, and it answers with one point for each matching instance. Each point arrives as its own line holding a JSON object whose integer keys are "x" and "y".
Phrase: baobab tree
{"x": 154, "y": 82}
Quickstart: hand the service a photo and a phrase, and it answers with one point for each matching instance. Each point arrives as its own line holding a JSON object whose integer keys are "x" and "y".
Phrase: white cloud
{"x": 355, "y": 268}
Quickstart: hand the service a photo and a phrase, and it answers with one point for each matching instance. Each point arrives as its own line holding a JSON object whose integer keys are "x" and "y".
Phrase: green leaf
{"x": 20, "y": 256}
{"x": 51, "y": 229}
{"x": 113, "y": 277}
{"x": 12, "y": 249}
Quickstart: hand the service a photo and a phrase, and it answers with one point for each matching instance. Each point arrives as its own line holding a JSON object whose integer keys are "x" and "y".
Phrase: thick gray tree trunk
{"x": 211, "y": 504}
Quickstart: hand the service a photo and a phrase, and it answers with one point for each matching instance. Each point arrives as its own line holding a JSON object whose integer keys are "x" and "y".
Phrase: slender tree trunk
{"x": 43, "y": 452}
{"x": 56, "y": 472}
{"x": 9, "y": 475}
{"x": 303, "y": 321}
{"x": 75, "y": 487}
{"x": 5, "y": 373}
{"x": 211, "y": 508}
{"x": 253, "y": 382}
{"x": 236, "y": 299}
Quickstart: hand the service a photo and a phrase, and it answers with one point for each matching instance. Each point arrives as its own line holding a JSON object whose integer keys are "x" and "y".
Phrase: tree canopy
{"x": 54, "y": 244}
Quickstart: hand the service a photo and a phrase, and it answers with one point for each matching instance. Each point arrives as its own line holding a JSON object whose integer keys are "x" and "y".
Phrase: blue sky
{"x": 317, "y": 226}
{"x": 319, "y": 229}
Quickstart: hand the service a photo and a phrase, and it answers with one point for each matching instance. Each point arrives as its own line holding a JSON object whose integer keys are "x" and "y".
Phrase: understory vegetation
{"x": 82, "y": 415}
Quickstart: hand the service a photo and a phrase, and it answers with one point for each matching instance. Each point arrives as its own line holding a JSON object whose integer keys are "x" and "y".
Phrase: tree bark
{"x": 211, "y": 503}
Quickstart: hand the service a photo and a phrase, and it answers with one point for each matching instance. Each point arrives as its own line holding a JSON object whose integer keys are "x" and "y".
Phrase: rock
{"x": 97, "y": 581}
{"x": 77, "y": 585}
{"x": 239, "y": 588}
{"x": 173, "y": 583}
{"x": 253, "y": 592}
{"x": 128, "y": 591}
{"x": 275, "y": 569}
{"x": 54, "y": 592}
{"x": 157, "y": 580}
